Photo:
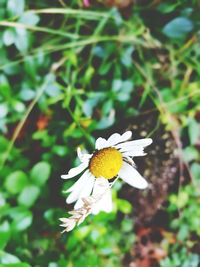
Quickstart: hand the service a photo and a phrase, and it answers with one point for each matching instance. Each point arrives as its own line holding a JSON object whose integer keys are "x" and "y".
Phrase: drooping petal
{"x": 100, "y": 143}
{"x": 129, "y": 160}
{"x": 76, "y": 188}
{"x": 102, "y": 191}
{"x": 86, "y": 191}
{"x": 83, "y": 157}
{"x": 131, "y": 176}
{"x": 75, "y": 171}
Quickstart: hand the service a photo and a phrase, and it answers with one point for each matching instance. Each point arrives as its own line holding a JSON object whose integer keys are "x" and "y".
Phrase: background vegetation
{"x": 70, "y": 73}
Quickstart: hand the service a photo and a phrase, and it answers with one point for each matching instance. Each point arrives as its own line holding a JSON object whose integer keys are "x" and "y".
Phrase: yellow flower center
{"x": 106, "y": 163}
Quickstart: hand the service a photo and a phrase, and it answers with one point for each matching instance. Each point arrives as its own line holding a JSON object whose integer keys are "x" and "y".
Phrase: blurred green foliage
{"x": 67, "y": 75}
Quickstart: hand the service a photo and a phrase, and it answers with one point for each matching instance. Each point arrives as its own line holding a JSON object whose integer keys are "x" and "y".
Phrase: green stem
{"x": 85, "y": 134}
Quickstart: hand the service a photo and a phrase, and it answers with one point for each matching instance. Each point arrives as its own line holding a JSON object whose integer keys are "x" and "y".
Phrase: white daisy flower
{"x": 111, "y": 158}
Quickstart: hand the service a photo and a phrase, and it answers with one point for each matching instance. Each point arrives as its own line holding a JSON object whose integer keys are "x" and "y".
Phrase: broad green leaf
{"x": 18, "y": 106}
{"x": 15, "y": 7}
{"x": 4, "y": 234}
{"x": 127, "y": 225}
{"x": 126, "y": 58}
{"x": 60, "y": 150}
{"x": 195, "y": 170}
{"x": 106, "y": 122}
{"x": 124, "y": 206}
{"x": 104, "y": 68}
{"x": 178, "y": 28}
{"x": 5, "y": 88}
{"x": 3, "y": 110}
{"x": 29, "y": 195}
{"x": 6, "y": 259}
{"x": 22, "y": 39}
{"x": 40, "y": 173}
{"x": 29, "y": 18}
{"x": 194, "y": 131}
{"x": 190, "y": 153}
{"x": 116, "y": 85}
{"x": 9, "y": 37}
{"x": 167, "y": 7}
{"x": 53, "y": 264}
{"x": 26, "y": 94}
{"x": 22, "y": 218}
{"x": 183, "y": 232}
{"x": 53, "y": 90}
{"x": 182, "y": 199}
{"x": 20, "y": 264}
{"x": 15, "y": 182}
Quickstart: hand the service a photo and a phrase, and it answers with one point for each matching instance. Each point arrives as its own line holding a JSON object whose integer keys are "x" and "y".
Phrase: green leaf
{"x": 182, "y": 199}
{"x": 15, "y": 182}
{"x": 21, "y": 264}
{"x": 9, "y": 37}
{"x": 22, "y": 39}
{"x": 26, "y": 94}
{"x": 22, "y": 218}
{"x": 40, "y": 173}
{"x": 195, "y": 170}
{"x": 29, "y": 195}
{"x": 104, "y": 68}
{"x": 60, "y": 150}
{"x": 124, "y": 206}
{"x": 91, "y": 103}
{"x": 15, "y": 7}
{"x": 178, "y": 28}
{"x": 106, "y": 122}
{"x": 117, "y": 85}
{"x": 126, "y": 58}
{"x": 29, "y": 18}
{"x": 4, "y": 234}
{"x": 3, "y": 110}
{"x": 7, "y": 259}
{"x": 18, "y": 106}
{"x": 5, "y": 88}
{"x": 183, "y": 232}
{"x": 127, "y": 225}
{"x": 53, "y": 264}
{"x": 52, "y": 90}
{"x": 194, "y": 131}
{"x": 167, "y": 7}
{"x": 190, "y": 153}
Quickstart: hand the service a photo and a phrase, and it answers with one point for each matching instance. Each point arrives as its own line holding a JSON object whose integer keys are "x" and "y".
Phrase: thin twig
{"x": 21, "y": 124}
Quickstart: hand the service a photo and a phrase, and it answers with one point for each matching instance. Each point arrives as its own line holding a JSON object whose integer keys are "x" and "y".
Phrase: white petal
{"x": 117, "y": 138}
{"x": 114, "y": 139}
{"x": 101, "y": 143}
{"x": 75, "y": 171}
{"x": 86, "y": 191}
{"x": 134, "y": 153}
{"x": 76, "y": 184}
{"x": 83, "y": 157}
{"x": 131, "y": 176}
{"x": 102, "y": 190}
{"x": 79, "y": 153}
{"x": 136, "y": 143}
{"x": 125, "y": 136}
{"x": 76, "y": 188}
